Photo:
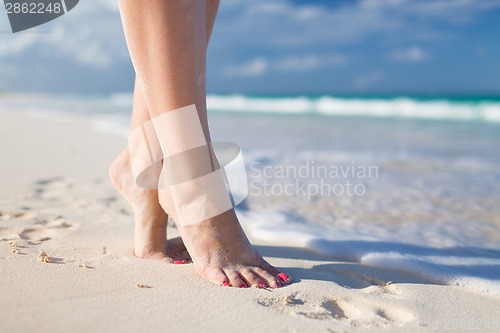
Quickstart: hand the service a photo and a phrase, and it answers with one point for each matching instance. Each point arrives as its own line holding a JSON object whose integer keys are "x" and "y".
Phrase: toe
{"x": 268, "y": 267}
{"x": 168, "y": 260}
{"x": 271, "y": 280}
{"x": 234, "y": 279}
{"x": 156, "y": 255}
{"x": 177, "y": 253}
{"x": 178, "y": 256}
{"x": 284, "y": 278}
{"x": 252, "y": 279}
{"x": 217, "y": 276}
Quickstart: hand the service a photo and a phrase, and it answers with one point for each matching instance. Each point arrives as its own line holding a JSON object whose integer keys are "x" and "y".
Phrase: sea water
{"x": 407, "y": 183}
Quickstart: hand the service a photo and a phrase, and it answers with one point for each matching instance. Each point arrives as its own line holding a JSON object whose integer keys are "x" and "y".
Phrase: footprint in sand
{"x": 24, "y": 215}
{"x": 51, "y": 188}
{"x": 63, "y": 191}
{"x": 55, "y": 182}
{"x": 302, "y": 305}
{"x": 30, "y": 226}
{"x": 352, "y": 311}
{"x": 362, "y": 312}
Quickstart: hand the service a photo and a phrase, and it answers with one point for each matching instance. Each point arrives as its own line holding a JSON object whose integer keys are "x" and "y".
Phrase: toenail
{"x": 179, "y": 262}
{"x": 225, "y": 283}
{"x": 283, "y": 277}
{"x": 262, "y": 285}
{"x": 277, "y": 283}
{"x": 243, "y": 286}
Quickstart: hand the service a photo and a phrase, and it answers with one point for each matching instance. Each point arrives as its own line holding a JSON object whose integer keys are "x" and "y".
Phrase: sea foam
{"x": 398, "y": 107}
{"x": 441, "y": 252}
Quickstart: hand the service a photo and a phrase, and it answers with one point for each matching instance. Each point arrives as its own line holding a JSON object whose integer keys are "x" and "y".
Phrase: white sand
{"x": 55, "y": 196}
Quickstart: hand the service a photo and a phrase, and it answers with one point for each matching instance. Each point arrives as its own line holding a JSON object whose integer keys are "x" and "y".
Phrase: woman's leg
{"x": 140, "y": 112}
{"x": 150, "y": 219}
{"x": 166, "y": 40}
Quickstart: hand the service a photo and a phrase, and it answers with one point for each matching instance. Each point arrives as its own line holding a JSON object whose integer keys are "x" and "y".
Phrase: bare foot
{"x": 222, "y": 253}
{"x": 150, "y": 239}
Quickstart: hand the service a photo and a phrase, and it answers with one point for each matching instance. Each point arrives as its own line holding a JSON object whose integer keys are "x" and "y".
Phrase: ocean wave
{"x": 398, "y": 107}
{"x": 441, "y": 253}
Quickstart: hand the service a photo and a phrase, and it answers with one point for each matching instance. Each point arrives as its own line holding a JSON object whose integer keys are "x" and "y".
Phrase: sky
{"x": 278, "y": 47}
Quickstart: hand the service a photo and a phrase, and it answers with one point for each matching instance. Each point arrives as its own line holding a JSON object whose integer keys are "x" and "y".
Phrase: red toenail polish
{"x": 283, "y": 277}
{"x": 225, "y": 283}
{"x": 179, "y": 262}
{"x": 243, "y": 286}
{"x": 278, "y": 284}
{"x": 262, "y": 285}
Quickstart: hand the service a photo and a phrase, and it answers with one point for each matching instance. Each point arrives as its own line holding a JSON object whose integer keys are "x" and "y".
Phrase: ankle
{"x": 150, "y": 224}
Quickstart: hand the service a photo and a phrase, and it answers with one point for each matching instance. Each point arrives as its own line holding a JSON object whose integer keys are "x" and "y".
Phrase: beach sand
{"x": 55, "y": 196}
